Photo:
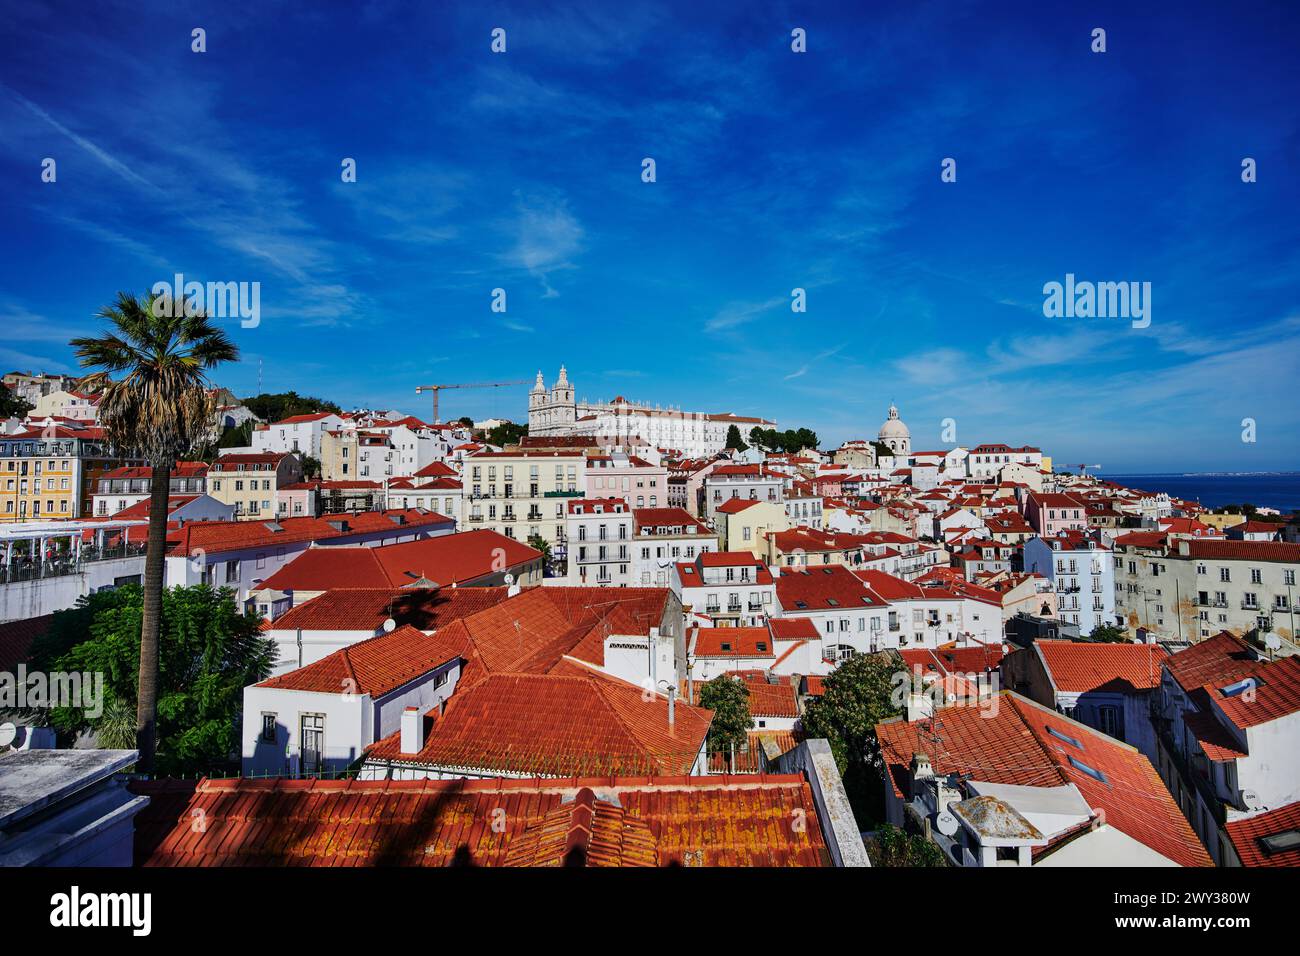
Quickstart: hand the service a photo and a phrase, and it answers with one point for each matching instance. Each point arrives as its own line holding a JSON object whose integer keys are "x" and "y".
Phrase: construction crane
{"x": 438, "y": 388}
{"x": 1083, "y": 469}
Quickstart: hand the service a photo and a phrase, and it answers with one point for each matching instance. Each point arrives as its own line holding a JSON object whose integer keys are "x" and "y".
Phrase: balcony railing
{"x": 26, "y": 569}
{"x": 562, "y": 494}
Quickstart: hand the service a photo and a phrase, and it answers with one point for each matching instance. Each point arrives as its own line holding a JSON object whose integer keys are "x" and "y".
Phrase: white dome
{"x": 894, "y": 427}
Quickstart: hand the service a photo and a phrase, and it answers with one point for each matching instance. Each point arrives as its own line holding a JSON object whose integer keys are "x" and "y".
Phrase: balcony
{"x": 562, "y": 494}
{"x": 24, "y": 568}
{"x": 475, "y": 519}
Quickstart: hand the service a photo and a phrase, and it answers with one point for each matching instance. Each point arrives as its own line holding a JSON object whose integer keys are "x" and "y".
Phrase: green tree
{"x": 1108, "y": 634}
{"x": 734, "y": 439}
{"x": 161, "y": 409}
{"x": 507, "y": 433}
{"x": 210, "y": 651}
{"x": 891, "y": 847}
{"x": 857, "y": 695}
{"x": 466, "y": 421}
{"x": 728, "y": 698}
{"x": 277, "y": 406}
{"x": 538, "y": 543}
{"x": 11, "y": 406}
{"x": 310, "y": 467}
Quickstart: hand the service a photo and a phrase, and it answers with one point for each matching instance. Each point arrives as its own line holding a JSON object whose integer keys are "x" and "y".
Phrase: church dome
{"x": 895, "y": 434}
{"x": 894, "y": 427}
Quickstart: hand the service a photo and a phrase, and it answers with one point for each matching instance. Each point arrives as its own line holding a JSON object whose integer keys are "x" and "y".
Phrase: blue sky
{"x": 775, "y": 171}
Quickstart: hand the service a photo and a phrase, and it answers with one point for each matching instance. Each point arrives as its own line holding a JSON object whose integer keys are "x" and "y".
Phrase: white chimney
{"x": 412, "y": 725}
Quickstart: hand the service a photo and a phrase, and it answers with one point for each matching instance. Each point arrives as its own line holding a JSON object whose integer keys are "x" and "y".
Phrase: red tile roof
{"x": 736, "y": 505}
{"x": 573, "y": 720}
{"x": 366, "y": 609}
{"x": 444, "y": 560}
{"x": 1244, "y": 550}
{"x": 1247, "y": 836}
{"x": 376, "y": 666}
{"x": 536, "y": 630}
{"x": 1122, "y": 668}
{"x": 1010, "y": 744}
{"x": 770, "y": 700}
{"x": 731, "y": 642}
{"x": 1213, "y": 737}
{"x": 214, "y": 537}
{"x": 823, "y": 587}
{"x": 670, "y": 518}
{"x": 699, "y": 821}
{"x": 437, "y": 469}
{"x": 950, "y": 659}
{"x": 793, "y": 629}
{"x": 1224, "y": 657}
{"x": 1275, "y": 693}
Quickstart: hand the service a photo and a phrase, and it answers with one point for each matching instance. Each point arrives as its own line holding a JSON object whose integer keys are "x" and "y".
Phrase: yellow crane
{"x": 438, "y": 388}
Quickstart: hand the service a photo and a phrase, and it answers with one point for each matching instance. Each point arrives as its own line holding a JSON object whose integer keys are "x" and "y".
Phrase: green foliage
{"x": 538, "y": 543}
{"x": 208, "y": 652}
{"x": 789, "y": 441}
{"x": 507, "y": 433}
{"x": 466, "y": 421}
{"x": 728, "y": 698}
{"x": 310, "y": 466}
{"x": 734, "y": 439}
{"x": 1108, "y": 634}
{"x": 858, "y": 695}
{"x": 277, "y": 406}
{"x": 11, "y": 406}
{"x": 893, "y": 848}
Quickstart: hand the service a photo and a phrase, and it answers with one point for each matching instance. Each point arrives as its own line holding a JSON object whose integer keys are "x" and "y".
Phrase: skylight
{"x": 1066, "y": 737}
{"x": 1281, "y": 842}
{"x": 1090, "y": 771}
{"x": 1240, "y": 687}
{"x": 832, "y": 602}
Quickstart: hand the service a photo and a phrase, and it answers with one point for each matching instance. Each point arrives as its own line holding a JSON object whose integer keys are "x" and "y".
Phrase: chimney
{"x": 921, "y": 768}
{"x": 412, "y": 725}
{"x": 672, "y": 707}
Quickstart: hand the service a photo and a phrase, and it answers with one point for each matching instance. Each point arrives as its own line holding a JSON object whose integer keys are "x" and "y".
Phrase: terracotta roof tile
{"x": 366, "y": 609}
{"x": 699, "y": 821}
{"x": 1248, "y": 835}
{"x": 376, "y": 666}
{"x": 1077, "y": 668}
{"x": 1011, "y": 744}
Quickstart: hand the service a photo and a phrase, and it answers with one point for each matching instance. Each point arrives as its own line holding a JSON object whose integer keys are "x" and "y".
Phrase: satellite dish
{"x": 946, "y": 823}
{"x": 1272, "y": 641}
{"x": 8, "y": 734}
{"x": 389, "y": 626}
{"x": 509, "y": 578}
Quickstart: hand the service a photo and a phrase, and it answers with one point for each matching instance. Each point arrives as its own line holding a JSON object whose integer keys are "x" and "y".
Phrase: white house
{"x": 297, "y": 433}
{"x": 320, "y": 718}
{"x": 599, "y": 532}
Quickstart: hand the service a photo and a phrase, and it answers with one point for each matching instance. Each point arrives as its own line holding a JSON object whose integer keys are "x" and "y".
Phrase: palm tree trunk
{"x": 146, "y": 715}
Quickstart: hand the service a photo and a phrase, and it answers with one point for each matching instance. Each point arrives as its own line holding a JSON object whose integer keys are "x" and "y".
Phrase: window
{"x": 1063, "y": 736}
{"x": 1090, "y": 771}
{"x": 268, "y": 728}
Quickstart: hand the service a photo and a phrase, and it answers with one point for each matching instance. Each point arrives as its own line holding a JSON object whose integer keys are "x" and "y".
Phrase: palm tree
{"x": 161, "y": 409}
